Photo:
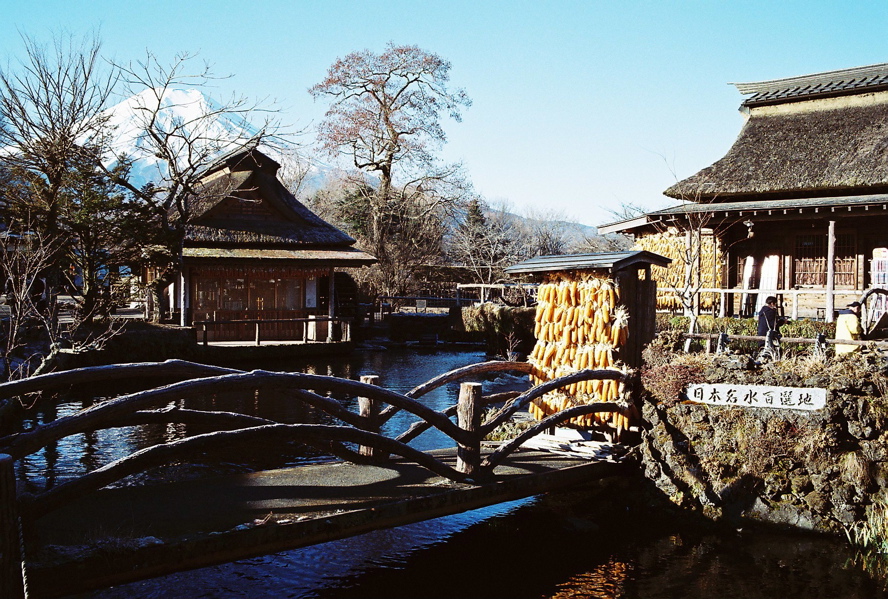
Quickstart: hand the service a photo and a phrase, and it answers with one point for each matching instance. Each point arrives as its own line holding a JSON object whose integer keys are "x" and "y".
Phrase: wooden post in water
{"x": 468, "y": 411}
{"x": 12, "y": 580}
{"x": 369, "y": 409}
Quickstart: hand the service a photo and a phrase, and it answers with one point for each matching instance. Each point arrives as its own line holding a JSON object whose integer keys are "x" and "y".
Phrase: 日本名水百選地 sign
{"x": 758, "y": 396}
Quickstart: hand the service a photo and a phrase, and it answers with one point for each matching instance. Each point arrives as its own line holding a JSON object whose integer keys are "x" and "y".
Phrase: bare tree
{"x": 184, "y": 148}
{"x": 547, "y": 233}
{"x": 52, "y": 122}
{"x": 296, "y": 167}
{"x": 486, "y": 240}
{"x": 33, "y": 334}
{"x": 691, "y": 240}
{"x": 385, "y": 115}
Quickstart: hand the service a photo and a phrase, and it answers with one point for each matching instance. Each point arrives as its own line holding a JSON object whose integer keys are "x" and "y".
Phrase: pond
{"x": 558, "y": 545}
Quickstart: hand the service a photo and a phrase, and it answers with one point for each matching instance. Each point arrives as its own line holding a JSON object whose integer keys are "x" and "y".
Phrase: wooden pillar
{"x": 331, "y": 305}
{"x": 369, "y": 409}
{"x": 468, "y": 411}
{"x": 831, "y": 271}
{"x": 183, "y": 297}
{"x": 12, "y": 575}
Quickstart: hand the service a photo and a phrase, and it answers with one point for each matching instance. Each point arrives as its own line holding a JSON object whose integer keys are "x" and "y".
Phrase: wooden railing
{"x": 232, "y": 431}
{"x": 304, "y": 334}
{"x": 794, "y": 294}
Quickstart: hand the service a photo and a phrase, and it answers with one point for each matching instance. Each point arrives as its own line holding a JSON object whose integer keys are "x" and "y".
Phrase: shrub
{"x": 667, "y": 382}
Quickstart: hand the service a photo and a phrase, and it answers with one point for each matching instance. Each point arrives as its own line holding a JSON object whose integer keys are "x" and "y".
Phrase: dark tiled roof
{"x": 831, "y": 83}
{"x": 878, "y": 199}
{"x": 603, "y": 261}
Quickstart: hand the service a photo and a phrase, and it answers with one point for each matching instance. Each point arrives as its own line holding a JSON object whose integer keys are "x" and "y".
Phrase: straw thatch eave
{"x": 838, "y": 151}
{"x": 297, "y": 225}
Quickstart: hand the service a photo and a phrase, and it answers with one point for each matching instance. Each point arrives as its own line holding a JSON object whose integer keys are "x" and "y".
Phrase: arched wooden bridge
{"x": 475, "y": 479}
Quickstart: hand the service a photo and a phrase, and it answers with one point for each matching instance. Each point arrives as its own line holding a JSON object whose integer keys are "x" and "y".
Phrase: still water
{"x": 559, "y": 546}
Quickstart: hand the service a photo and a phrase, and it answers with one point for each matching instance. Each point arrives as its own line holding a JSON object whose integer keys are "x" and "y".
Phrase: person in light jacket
{"x": 848, "y": 327}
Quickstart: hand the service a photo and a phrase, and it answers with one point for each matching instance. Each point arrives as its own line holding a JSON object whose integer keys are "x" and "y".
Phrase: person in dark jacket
{"x": 768, "y": 318}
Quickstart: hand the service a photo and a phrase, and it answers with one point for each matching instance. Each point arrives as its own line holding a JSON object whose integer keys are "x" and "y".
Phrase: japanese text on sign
{"x": 758, "y": 396}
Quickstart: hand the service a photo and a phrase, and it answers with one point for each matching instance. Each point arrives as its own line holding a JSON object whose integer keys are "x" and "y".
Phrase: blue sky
{"x": 579, "y": 107}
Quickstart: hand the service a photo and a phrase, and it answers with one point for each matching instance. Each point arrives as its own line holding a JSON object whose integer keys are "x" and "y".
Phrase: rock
{"x": 818, "y": 502}
{"x": 800, "y": 483}
{"x": 860, "y": 430}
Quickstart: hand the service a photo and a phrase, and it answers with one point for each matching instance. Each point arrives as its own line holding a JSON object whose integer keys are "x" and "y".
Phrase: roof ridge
{"x": 771, "y": 85}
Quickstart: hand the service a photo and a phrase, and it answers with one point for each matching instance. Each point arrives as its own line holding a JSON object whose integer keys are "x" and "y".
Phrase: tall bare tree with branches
{"x": 385, "y": 115}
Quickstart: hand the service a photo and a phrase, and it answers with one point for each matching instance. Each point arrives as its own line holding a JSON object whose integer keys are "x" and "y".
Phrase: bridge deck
{"x": 160, "y": 529}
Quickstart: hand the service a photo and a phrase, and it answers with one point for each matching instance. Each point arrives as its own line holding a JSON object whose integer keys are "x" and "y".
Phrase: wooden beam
{"x": 830, "y": 271}
{"x": 468, "y": 413}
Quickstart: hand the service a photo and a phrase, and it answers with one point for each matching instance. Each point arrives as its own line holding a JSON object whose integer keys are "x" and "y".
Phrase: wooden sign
{"x": 758, "y": 396}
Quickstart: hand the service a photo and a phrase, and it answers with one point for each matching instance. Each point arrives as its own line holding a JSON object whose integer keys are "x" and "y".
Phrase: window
{"x": 809, "y": 264}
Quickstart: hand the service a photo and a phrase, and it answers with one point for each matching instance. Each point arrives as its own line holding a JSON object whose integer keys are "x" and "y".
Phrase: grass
{"x": 872, "y": 533}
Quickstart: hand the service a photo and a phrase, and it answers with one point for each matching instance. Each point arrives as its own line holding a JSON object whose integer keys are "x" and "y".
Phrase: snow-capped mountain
{"x": 193, "y": 116}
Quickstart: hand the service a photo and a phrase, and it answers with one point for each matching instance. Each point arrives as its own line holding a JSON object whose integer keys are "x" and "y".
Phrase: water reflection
{"x": 536, "y": 548}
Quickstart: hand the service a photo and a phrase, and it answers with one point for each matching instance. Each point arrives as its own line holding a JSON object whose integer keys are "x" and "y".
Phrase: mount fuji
{"x": 197, "y": 117}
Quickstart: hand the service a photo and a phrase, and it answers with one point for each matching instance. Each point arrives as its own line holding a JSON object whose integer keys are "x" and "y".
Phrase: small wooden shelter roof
{"x": 610, "y": 261}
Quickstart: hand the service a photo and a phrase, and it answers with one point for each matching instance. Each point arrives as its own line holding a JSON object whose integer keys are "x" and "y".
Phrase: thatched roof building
{"x": 242, "y": 208}
{"x": 807, "y": 178}
{"x": 253, "y": 251}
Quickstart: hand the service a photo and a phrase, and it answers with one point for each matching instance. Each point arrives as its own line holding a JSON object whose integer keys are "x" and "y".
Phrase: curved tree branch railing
{"x": 114, "y": 372}
{"x": 153, "y": 406}
{"x": 232, "y": 430}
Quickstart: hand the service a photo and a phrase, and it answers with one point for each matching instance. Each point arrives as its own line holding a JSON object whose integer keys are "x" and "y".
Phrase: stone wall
{"x": 825, "y": 470}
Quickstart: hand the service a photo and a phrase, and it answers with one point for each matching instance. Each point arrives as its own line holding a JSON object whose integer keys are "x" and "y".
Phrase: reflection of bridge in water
{"x": 78, "y": 536}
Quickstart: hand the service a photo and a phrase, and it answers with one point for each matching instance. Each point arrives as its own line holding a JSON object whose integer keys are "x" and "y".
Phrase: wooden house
{"x": 253, "y": 252}
{"x": 798, "y": 207}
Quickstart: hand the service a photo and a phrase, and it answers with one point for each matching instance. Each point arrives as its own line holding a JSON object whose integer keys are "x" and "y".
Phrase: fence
{"x": 313, "y": 328}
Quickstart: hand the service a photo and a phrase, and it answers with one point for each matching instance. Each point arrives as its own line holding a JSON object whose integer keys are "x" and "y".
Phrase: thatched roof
{"x": 836, "y": 150}
{"x": 289, "y": 222}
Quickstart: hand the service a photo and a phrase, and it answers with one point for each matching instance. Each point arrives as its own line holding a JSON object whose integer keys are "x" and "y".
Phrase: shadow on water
{"x": 583, "y": 543}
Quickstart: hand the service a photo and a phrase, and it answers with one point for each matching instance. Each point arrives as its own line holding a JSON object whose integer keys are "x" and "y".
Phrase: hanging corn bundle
{"x": 707, "y": 255}
{"x": 579, "y": 325}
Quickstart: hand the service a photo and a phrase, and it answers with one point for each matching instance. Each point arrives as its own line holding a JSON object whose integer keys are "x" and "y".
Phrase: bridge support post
{"x": 468, "y": 411}
{"x": 12, "y": 575}
{"x": 369, "y": 410}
